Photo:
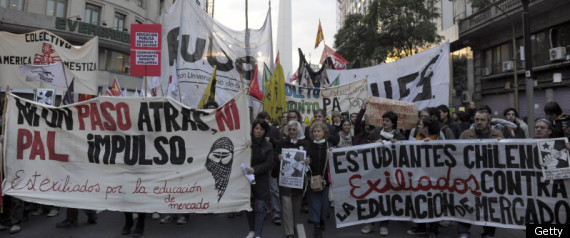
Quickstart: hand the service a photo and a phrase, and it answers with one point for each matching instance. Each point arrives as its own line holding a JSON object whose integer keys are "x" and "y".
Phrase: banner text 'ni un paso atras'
{"x": 128, "y": 154}
{"x": 484, "y": 182}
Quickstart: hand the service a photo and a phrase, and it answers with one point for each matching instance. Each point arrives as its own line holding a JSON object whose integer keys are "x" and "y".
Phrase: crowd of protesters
{"x": 285, "y": 204}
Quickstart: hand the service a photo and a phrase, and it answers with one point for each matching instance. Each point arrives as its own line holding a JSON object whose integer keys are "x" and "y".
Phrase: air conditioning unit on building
{"x": 507, "y": 66}
{"x": 466, "y": 96}
{"x": 558, "y": 53}
{"x": 485, "y": 71}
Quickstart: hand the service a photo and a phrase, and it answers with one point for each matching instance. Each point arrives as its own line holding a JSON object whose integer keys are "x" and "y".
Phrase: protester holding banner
{"x": 275, "y": 138}
{"x": 72, "y": 216}
{"x": 542, "y": 129}
{"x": 560, "y": 122}
{"x": 446, "y": 120}
{"x": 321, "y": 115}
{"x": 361, "y": 130}
{"x": 512, "y": 115}
{"x": 389, "y": 129}
{"x": 482, "y": 130}
{"x": 261, "y": 164}
{"x": 291, "y": 198}
{"x": 317, "y": 154}
{"x": 428, "y": 129}
{"x": 336, "y": 120}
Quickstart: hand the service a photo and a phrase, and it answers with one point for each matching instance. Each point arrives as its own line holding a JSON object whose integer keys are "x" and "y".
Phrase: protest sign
{"x": 128, "y": 154}
{"x": 422, "y": 78}
{"x": 292, "y": 169}
{"x": 146, "y": 40}
{"x": 407, "y": 112}
{"x": 483, "y": 182}
{"x": 349, "y": 97}
{"x": 46, "y": 48}
{"x": 554, "y": 158}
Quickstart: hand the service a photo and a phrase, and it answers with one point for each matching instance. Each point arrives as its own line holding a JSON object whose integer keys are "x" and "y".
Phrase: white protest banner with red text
{"x": 482, "y": 182}
{"x": 338, "y": 61}
{"x": 146, "y": 40}
{"x": 344, "y": 98}
{"x": 128, "y": 154}
{"x": 407, "y": 112}
{"x": 45, "y": 48}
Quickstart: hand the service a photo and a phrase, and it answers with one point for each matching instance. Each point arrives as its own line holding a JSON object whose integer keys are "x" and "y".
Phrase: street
{"x": 110, "y": 224}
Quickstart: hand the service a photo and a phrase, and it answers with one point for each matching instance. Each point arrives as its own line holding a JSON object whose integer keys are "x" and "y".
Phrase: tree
{"x": 393, "y": 29}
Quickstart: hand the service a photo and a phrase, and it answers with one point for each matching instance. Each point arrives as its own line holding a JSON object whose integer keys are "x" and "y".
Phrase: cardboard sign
{"x": 407, "y": 112}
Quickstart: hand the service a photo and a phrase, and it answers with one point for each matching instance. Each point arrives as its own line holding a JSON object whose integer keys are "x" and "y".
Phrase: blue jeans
{"x": 318, "y": 204}
{"x": 274, "y": 190}
{"x": 255, "y": 217}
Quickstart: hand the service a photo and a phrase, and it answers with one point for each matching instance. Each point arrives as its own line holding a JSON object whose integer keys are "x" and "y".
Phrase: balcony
{"x": 491, "y": 14}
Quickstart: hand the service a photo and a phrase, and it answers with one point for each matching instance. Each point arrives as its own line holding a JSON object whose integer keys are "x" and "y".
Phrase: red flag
{"x": 116, "y": 89}
{"x": 339, "y": 61}
{"x": 84, "y": 97}
{"x": 254, "y": 90}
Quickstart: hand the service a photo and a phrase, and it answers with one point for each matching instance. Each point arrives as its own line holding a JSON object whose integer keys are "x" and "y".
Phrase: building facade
{"x": 489, "y": 32}
{"x": 78, "y": 21}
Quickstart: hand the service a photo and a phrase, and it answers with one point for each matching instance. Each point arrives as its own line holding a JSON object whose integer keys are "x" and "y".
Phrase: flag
{"x": 339, "y": 61}
{"x": 254, "y": 90}
{"x": 266, "y": 78}
{"x": 210, "y": 92}
{"x": 274, "y": 99}
{"x": 52, "y": 74}
{"x": 303, "y": 76}
{"x": 320, "y": 36}
{"x": 84, "y": 97}
{"x": 116, "y": 89}
{"x": 173, "y": 83}
{"x": 68, "y": 97}
{"x": 336, "y": 81}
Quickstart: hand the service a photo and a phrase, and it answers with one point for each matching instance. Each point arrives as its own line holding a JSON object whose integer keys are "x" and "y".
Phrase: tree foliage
{"x": 391, "y": 29}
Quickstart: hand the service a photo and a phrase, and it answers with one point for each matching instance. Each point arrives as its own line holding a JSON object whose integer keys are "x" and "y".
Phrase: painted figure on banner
{"x": 219, "y": 163}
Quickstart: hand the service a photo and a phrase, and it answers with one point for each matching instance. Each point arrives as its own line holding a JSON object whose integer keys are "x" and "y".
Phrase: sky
{"x": 305, "y": 20}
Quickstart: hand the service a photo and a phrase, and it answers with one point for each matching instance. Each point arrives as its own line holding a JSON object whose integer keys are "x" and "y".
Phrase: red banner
{"x": 145, "y": 49}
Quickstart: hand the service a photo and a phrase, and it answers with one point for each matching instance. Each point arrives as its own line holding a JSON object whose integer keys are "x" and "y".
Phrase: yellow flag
{"x": 210, "y": 93}
{"x": 320, "y": 36}
{"x": 274, "y": 99}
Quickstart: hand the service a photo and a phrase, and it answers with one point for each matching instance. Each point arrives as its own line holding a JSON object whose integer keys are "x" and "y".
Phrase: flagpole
{"x": 3, "y": 132}
{"x": 145, "y": 86}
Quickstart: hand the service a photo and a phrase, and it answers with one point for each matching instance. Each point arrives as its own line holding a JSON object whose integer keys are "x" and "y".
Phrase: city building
{"x": 347, "y": 7}
{"x": 111, "y": 21}
{"x": 490, "y": 31}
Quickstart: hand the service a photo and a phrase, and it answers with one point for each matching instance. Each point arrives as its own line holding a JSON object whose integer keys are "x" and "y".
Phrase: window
{"x": 540, "y": 49}
{"x": 92, "y": 13}
{"x": 119, "y": 21}
{"x": 56, "y": 8}
{"x": 13, "y": 4}
{"x": 113, "y": 61}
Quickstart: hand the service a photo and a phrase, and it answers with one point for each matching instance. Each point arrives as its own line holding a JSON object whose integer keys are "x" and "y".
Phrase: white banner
{"x": 196, "y": 42}
{"x": 344, "y": 98}
{"x": 43, "y": 48}
{"x": 128, "y": 154}
{"x": 483, "y": 182}
{"x": 422, "y": 78}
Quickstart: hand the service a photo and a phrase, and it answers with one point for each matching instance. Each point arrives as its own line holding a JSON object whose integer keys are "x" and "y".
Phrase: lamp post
{"x": 528, "y": 68}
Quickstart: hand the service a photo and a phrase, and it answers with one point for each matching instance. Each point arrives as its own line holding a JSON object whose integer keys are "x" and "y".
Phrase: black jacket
{"x": 261, "y": 162}
{"x": 287, "y": 144}
{"x": 318, "y": 154}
